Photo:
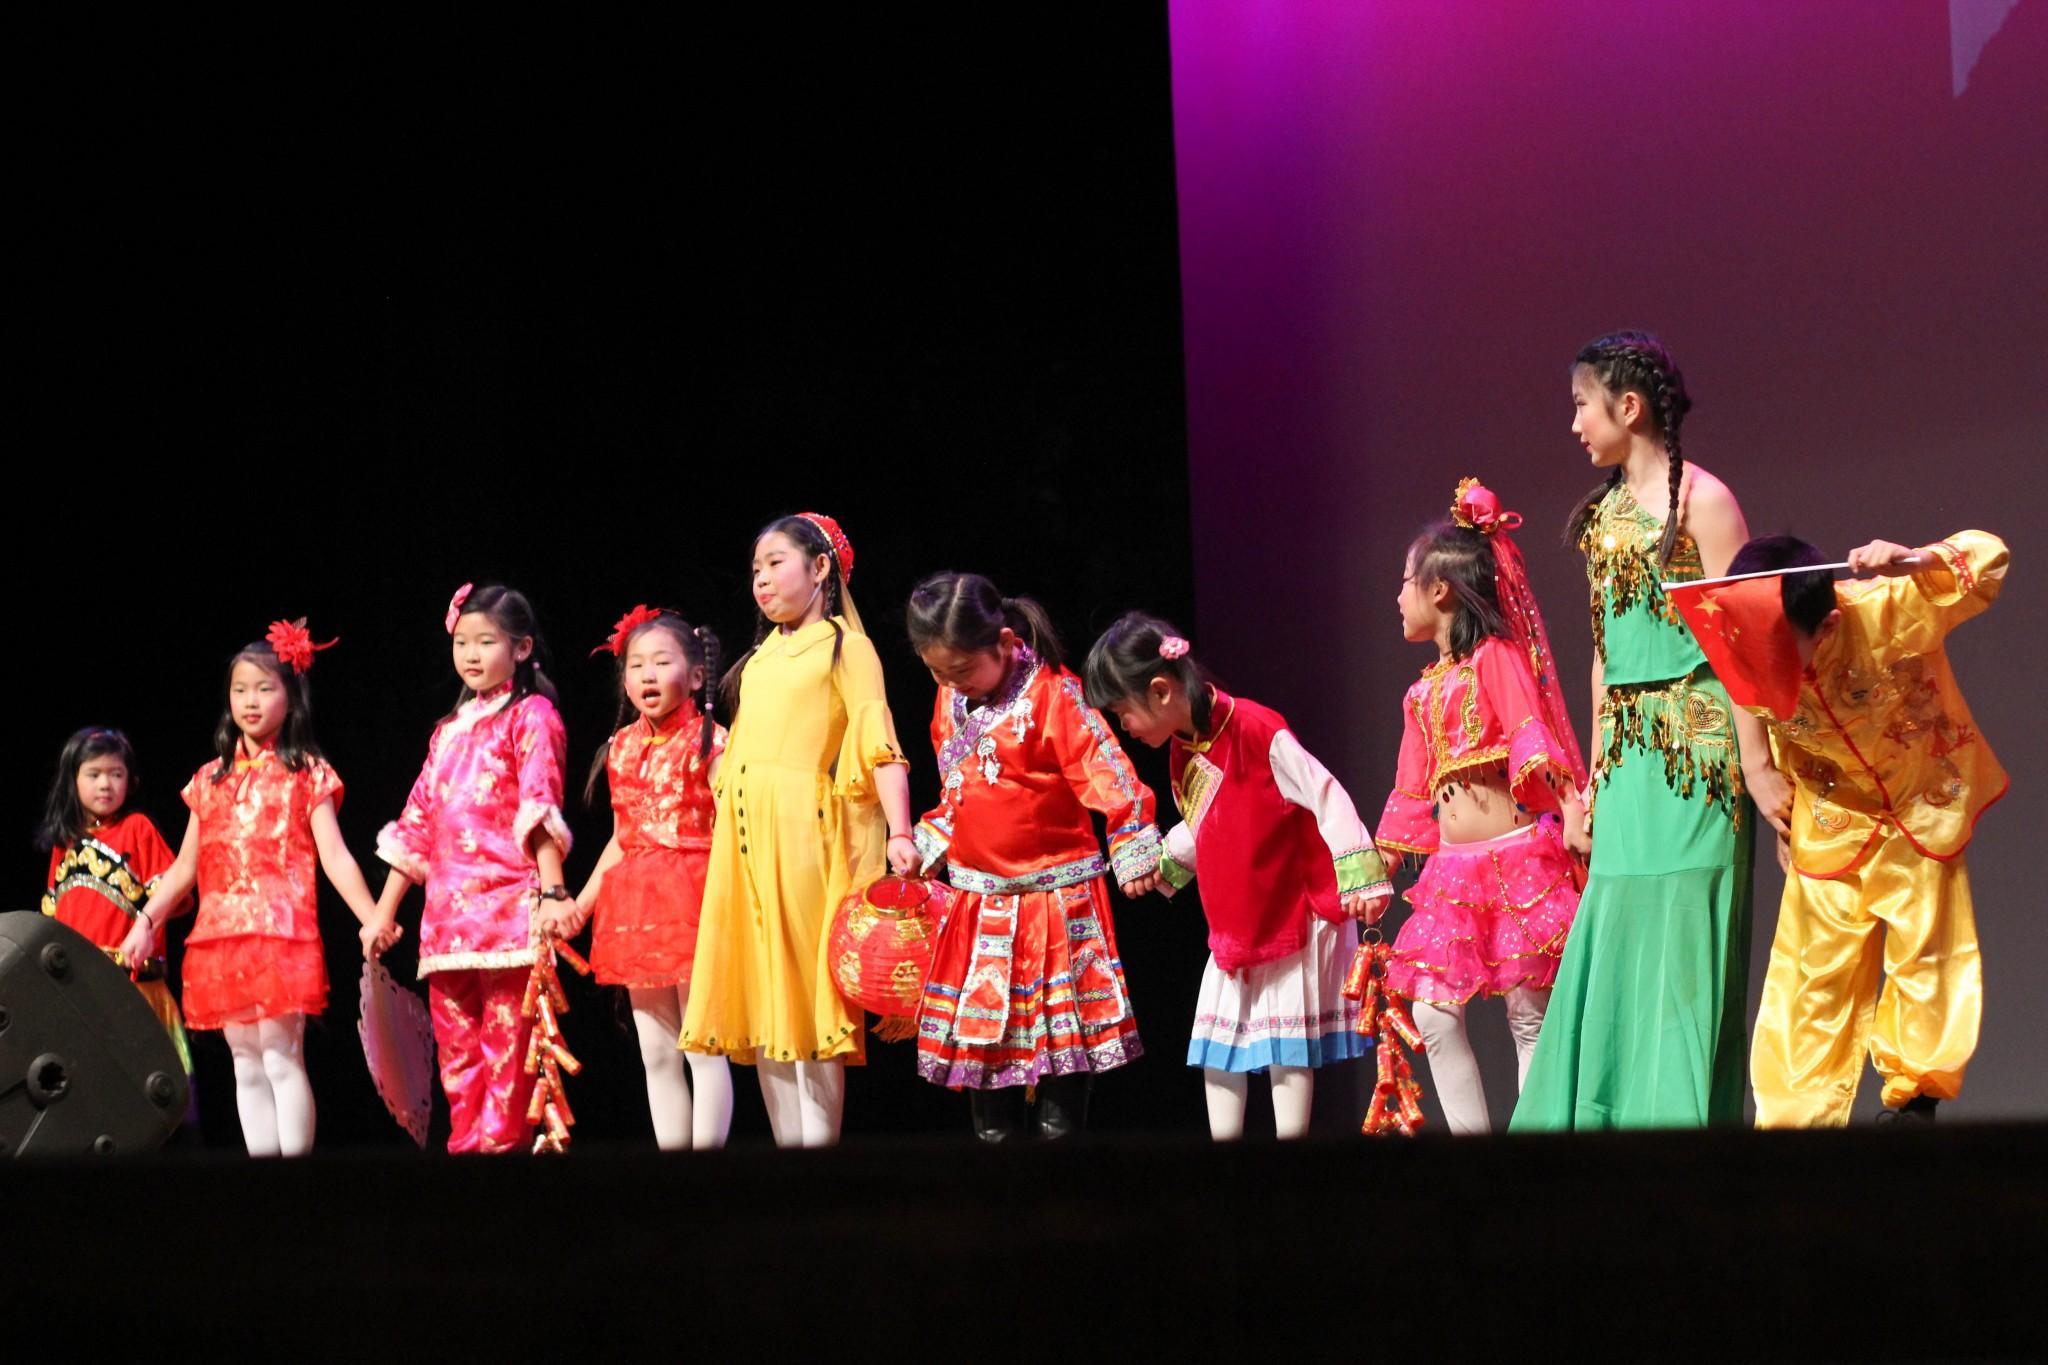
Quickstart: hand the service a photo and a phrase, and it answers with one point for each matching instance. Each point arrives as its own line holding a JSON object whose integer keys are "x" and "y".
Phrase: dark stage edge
{"x": 1860, "y": 1245}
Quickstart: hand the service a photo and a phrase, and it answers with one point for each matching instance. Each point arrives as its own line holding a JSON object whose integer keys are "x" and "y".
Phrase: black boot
{"x": 1917, "y": 1112}
{"x": 998, "y": 1114}
{"x": 1063, "y": 1104}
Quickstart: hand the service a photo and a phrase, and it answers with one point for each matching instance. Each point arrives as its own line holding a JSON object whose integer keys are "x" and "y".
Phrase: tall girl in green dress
{"x": 1645, "y": 1026}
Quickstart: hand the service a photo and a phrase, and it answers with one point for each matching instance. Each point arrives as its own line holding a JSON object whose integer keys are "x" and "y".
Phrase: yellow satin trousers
{"x": 1883, "y": 956}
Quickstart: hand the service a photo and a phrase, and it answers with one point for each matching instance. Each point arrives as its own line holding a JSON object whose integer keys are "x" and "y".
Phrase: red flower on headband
{"x": 293, "y": 644}
{"x": 1476, "y": 506}
{"x": 623, "y": 630}
{"x": 455, "y": 606}
{"x": 842, "y": 548}
{"x": 1172, "y": 647}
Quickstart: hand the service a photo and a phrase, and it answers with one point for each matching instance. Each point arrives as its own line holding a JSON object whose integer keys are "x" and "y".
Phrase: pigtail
{"x": 1671, "y": 412}
{"x": 707, "y": 641}
{"x": 599, "y": 761}
{"x": 1582, "y": 515}
{"x": 1032, "y": 624}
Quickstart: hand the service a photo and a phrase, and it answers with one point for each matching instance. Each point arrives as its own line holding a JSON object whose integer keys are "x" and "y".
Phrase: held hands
{"x": 1139, "y": 886}
{"x": 1362, "y": 905}
{"x": 1773, "y": 797}
{"x": 1883, "y": 557}
{"x": 140, "y": 945}
{"x": 903, "y": 857}
{"x": 377, "y": 936}
{"x": 563, "y": 919}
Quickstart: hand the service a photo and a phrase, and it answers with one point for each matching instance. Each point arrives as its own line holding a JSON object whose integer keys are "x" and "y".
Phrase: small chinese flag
{"x": 1741, "y": 627}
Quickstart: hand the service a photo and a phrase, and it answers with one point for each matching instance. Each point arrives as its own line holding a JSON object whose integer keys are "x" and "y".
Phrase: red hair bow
{"x": 293, "y": 644}
{"x": 1476, "y": 506}
{"x": 455, "y": 606}
{"x": 842, "y": 548}
{"x": 623, "y": 630}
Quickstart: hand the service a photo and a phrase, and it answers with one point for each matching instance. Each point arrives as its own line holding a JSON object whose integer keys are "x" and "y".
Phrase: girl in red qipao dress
{"x": 1026, "y": 988}
{"x": 263, "y": 814}
{"x": 483, "y": 831}
{"x": 1488, "y": 790}
{"x": 1285, "y": 864}
{"x": 647, "y": 889}
{"x": 105, "y": 859}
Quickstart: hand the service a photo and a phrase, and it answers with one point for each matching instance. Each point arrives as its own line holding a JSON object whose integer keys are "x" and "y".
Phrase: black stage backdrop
{"x": 330, "y": 340}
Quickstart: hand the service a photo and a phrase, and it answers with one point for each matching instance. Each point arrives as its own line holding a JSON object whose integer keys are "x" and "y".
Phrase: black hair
{"x": 1637, "y": 362}
{"x": 964, "y": 611}
{"x": 701, "y": 649}
{"x": 1124, "y": 661}
{"x": 1462, "y": 556}
{"x": 1808, "y": 597}
{"x": 808, "y": 538}
{"x": 296, "y": 747}
{"x": 63, "y": 818}
{"x": 512, "y": 613}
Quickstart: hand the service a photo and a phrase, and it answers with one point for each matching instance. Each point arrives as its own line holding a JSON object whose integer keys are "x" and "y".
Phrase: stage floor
{"x": 1857, "y": 1245}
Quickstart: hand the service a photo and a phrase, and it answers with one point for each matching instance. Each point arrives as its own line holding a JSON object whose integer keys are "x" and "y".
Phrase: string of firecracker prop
{"x": 547, "y": 1057}
{"x": 1383, "y": 1017}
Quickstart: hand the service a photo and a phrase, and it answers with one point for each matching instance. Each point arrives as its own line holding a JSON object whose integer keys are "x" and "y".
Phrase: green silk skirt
{"x": 1645, "y": 1027}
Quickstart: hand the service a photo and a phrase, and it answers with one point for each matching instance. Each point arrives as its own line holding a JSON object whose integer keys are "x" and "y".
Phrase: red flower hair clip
{"x": 1476, "y": 506}
{"x": 842, "y": 548}
{"x": 293, "y": 644}
{"x": 1172, "y": 647}
{"x": 455, "y": 606}
{"x": 623, "y": 630}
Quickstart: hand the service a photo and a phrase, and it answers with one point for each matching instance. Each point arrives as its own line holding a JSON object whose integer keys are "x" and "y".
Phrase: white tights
{"x": 804, "y": 1100}
{"x": 272, "y": 1093}
{"x": 680, "y": 1123}
{"x": 1455, "y": 1071}
{"x": 1226, "y": 1092}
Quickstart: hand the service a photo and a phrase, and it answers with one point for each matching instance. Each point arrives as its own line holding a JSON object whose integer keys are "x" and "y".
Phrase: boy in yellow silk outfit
{"x": 1876, "y": 941}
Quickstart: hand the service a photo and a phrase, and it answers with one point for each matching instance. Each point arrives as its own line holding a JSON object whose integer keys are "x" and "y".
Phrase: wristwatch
{"x": 557, "y": 893}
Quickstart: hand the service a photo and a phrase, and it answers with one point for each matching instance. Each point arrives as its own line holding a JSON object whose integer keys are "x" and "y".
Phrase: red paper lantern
{"x": 881, "y": 943}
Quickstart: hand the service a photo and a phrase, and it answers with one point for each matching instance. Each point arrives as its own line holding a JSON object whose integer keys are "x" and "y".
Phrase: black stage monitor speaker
{"x": 85, "y": 1065}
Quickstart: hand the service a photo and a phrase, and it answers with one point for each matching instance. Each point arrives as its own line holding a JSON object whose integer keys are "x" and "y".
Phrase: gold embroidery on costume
{"x": 1688, "y": 726}
{"x": 1620, "y": 545}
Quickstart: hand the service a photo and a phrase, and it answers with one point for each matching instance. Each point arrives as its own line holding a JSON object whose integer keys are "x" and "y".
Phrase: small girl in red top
{"x": 1026, "y": 989}
{"x": 262, "y": 815}
{"x": 1487, "y": 788}
{"x": 1285, "y": 864}
{"x": 105, "y": 859}
{"x": 647, "y": 889}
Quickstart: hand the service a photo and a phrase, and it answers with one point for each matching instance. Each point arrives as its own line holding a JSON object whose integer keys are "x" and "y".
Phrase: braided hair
{"x": 1637, "y": 362}
{"x": 700, "y": 649}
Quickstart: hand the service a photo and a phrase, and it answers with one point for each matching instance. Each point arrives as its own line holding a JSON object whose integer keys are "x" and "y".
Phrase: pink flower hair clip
{"x": 455, "y": 605}
{"x": 1172, "y": 647}
{"x": 293, "y": 644}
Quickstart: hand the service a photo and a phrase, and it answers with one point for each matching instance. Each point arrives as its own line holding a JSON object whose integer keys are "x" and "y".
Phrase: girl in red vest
{"x": 1285, "y": 863}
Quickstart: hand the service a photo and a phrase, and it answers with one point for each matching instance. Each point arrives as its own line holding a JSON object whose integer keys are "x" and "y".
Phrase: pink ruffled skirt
{"x": 1489, "y": 917}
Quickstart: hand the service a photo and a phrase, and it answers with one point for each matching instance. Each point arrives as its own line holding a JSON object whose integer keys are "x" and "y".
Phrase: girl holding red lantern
{"x": 647, "y": 889}
{"x": 1026, "y": 988}
{"x": 813, "y": 804}
{"x": 262, "y": 817}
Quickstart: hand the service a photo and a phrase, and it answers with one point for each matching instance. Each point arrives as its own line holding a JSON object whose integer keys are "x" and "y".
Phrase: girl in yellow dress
{"x": 813, "y": 804}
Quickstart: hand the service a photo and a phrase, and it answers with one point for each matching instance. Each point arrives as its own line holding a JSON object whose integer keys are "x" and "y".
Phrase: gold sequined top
{"x": 1636, "y": 631}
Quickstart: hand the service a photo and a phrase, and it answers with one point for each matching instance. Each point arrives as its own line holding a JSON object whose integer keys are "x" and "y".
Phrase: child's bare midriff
{"x": 1476, "y": 805}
